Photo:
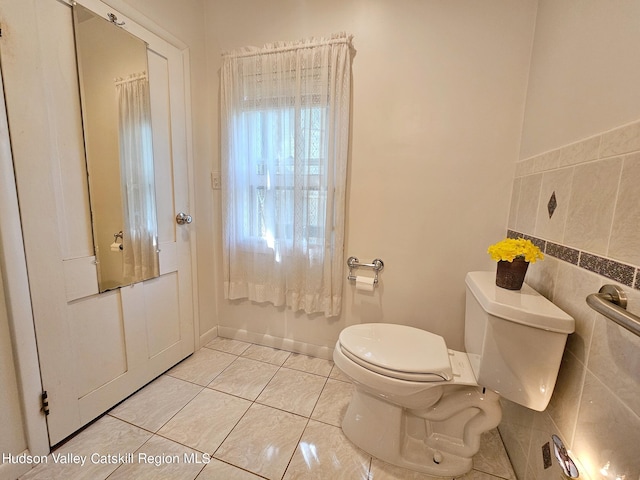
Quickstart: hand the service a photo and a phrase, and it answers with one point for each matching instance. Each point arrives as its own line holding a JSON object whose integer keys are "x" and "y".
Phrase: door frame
{"x": 13, "y": 266}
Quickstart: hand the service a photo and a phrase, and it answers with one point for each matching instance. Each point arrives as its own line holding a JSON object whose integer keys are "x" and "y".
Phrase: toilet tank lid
{"x": 525, "y": 306}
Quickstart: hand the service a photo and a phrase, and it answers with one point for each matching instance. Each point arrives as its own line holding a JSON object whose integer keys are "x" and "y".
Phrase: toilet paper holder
{"x": 377, "y": 265}
{"x": 116, "y": 237}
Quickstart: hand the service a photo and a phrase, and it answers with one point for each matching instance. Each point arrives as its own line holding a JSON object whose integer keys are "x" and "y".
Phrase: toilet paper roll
{"x": 116, "y": 247}
{"x": 365, "y": 284}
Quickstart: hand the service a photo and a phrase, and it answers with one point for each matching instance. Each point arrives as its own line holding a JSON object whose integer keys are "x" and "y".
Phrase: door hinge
{"x": 45, "y": 403}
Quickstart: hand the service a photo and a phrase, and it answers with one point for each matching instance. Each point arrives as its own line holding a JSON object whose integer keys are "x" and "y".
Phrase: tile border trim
{"x": 616, "y": 142}
{"x": 622, "y": 273}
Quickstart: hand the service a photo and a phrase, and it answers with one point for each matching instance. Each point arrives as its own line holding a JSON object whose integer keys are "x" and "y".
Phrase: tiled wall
{"x": 592, "y": 238}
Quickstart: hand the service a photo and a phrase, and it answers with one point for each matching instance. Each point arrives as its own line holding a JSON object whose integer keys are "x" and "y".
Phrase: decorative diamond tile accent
{"x": 553, "y": 203}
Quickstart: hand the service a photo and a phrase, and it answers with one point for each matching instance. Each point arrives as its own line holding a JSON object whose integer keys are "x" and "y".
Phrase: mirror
{"x": 116, "y": 114}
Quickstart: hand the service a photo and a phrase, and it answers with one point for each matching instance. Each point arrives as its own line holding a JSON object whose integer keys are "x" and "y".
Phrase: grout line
{"x": 615, "y": 204}
{"x": 235, "y": 466}
{"x": 296, "y": 449}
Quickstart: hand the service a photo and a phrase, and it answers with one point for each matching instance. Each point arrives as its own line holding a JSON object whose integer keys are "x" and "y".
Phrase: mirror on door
{"x": 116, "y": 113}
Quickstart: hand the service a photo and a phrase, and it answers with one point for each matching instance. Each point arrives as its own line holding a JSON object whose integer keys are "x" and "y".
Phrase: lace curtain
{"x": 285, "y": 132}
{"x": 140, "y": 235}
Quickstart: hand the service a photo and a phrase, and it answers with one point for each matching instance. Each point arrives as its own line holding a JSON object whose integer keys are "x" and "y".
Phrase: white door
{"x": 19, "y": 368}
{"x": 13, "y": 440}
{"x": 95, "y": 349}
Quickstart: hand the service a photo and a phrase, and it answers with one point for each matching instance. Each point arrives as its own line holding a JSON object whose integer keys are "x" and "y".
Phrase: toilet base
{"x": 439, "y": 440}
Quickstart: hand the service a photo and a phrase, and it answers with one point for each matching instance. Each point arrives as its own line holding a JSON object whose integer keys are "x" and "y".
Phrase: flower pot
{"x": 510, "y": 275}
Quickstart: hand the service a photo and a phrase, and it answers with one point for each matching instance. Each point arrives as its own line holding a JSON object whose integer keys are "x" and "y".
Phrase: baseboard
{"x": 277, "y": 342}
{"x": 207, "y": 337}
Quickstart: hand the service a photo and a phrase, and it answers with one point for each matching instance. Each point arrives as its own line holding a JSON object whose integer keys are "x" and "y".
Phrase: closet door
{"x": 95, "y": 348}
{"x": 13, "y": 440}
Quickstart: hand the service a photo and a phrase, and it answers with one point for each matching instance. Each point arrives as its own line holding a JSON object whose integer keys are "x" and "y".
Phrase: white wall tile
{"x": 515, "y": 199}
{"x": 523, "y": 168}
{"x": 543, "y": 428}
{"x": 598, "y": 212}
{"x": 573, "y": 284}
{"x": 542, "y": 274}
{"x": 614, "y": 359}
{"x": 515, "y": 430}
{"x": 625, "y": 232}
{"x": 528, "y": 204}
{"x": 563, "y": 407}
{"x": 607, "y": 431}
{"x": 579, "y": 152}
{"x": 547, "y": 161}
{"x": 558, "y": 182}
{"x": 625, "y": 139}
{"x": 591, "y": 206}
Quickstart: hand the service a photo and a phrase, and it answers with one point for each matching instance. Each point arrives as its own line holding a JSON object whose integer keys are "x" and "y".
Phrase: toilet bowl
{"x": 420, "y": 405}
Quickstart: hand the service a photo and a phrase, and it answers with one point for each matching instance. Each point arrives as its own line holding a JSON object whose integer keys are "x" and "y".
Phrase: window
{"x": 285, "y": 114}
{"x": 275, "y": 200}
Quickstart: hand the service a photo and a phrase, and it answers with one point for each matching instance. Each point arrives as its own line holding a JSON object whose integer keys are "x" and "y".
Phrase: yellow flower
{"x": 511, "y": 248}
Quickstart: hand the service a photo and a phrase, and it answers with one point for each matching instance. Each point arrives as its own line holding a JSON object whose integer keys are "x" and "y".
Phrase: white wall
{"x": 438, "y": 93}
{"x": 584, "y": 72}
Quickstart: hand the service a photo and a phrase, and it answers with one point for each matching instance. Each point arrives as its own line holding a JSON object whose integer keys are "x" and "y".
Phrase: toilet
{"x": 422, "y": 406}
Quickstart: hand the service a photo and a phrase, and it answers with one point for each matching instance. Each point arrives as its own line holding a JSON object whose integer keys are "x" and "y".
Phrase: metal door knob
{"x": 183, "y": 218}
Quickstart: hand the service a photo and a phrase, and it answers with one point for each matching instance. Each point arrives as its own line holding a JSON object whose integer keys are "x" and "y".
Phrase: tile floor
{"x": 235, "y": 410}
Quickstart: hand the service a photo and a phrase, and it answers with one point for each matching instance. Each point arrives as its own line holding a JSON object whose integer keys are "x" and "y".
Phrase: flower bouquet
{"x": 513, "y": 256}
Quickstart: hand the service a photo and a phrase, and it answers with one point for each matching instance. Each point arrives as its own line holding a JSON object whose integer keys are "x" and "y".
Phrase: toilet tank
{"x": 514, "y": 339}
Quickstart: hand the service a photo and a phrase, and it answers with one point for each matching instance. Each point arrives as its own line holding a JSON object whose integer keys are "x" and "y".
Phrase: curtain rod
{"x": 131, "y": 78}
{"x": 346, "y": 39}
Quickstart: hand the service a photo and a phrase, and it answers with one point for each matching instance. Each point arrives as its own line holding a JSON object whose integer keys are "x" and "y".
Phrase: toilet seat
{"x": 397, "y": 351}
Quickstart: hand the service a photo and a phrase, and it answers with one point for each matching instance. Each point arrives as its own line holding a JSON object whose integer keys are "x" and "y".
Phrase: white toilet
{"x": 422, "y": 406}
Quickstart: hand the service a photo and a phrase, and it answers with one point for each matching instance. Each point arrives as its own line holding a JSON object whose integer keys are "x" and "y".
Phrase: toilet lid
{"x": 398, "y": 351}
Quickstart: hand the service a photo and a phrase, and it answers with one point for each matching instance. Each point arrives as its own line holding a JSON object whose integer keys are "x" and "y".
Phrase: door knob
{"x": 183, "y": 218}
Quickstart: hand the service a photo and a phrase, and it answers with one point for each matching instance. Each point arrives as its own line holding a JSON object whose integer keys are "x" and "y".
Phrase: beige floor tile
{"x": 107, "y": 436}
{"x": 476, "y": 475}
{"x": 308, "y": 364}
{"x": 337, "y": 374}
{"x": 266, "y": 354}
{"x": 228, "y": 345}
{"x": 333, "y": 402}
{"x": 161, "y": 459}
{"x": 263, "y": 441}
{"x": 293, "y": 391}
{"x": 202, "y": 367}
{"x": 205, "y": 421}
{"x": 324, "y": 452}
{"x": 155, "y": 404}
{"x": 492, "y": 457}
{"x": 384, "y": 471}
{"x": 250, "y": 440}
{"x": 244, "y": 378}
{"x": 217, "y": 470}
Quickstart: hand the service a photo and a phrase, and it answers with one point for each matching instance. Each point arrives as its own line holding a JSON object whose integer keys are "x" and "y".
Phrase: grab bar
{"x": 611, "y": 302}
